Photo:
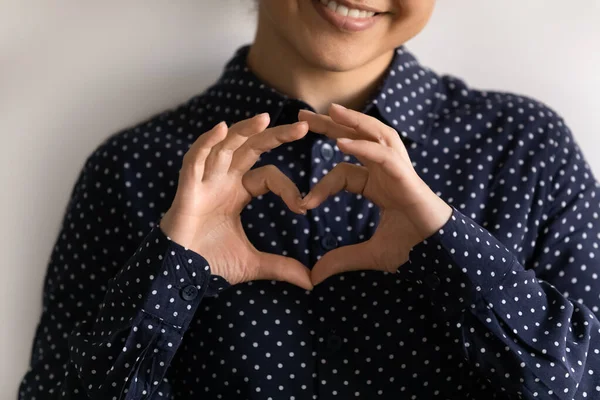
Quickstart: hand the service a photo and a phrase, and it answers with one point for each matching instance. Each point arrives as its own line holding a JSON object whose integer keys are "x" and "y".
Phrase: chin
{"x": 336, "y": 57}
{"x": 335, "y": 64}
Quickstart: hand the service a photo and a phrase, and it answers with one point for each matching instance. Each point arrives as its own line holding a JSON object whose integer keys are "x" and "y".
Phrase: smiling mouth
{"x": 346, "y": 19}
{"x": 346, "y": 11}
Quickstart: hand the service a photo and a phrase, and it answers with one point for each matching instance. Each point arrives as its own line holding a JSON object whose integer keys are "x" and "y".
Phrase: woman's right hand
{"x": 216, "y": 183}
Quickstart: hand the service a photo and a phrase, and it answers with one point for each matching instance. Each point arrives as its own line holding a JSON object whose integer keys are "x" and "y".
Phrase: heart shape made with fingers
{"x": 409, "y": 210}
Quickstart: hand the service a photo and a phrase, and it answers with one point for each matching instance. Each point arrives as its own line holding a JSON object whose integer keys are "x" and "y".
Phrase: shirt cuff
{"x": 458, "y": 265}
{"x": 181, "y": 282}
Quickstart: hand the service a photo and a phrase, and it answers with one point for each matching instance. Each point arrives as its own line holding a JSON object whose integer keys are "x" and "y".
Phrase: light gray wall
{"x": 73, "y": 72}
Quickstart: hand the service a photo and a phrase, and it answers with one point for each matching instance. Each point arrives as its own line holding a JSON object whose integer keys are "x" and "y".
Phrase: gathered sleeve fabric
{"x": 112, "y": 321}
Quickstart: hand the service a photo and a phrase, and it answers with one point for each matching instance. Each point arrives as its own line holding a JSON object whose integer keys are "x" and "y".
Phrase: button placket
{"x": 329, "y": 241}
{"x": 334, "y": 342}
{"x": 327, "y": 151}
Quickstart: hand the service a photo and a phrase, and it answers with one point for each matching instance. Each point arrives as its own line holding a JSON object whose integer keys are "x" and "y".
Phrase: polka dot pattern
{"x": 502, "y": 302}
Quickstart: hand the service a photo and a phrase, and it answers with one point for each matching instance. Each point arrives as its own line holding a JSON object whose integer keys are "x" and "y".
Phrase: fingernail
{"x": 338, "y": 105}
{"x": 265, "y": 114}
{"x": 344, "y": 140}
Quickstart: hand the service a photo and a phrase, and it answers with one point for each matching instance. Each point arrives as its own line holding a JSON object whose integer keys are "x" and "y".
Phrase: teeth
{"x": 345, "y": 11}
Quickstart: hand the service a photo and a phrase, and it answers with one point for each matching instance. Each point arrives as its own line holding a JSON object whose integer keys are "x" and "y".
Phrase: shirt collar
{"x": 406, "y": 99}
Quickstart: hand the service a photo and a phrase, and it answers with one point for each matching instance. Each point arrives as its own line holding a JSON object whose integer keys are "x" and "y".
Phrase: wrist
{"x": 430, "y": 215}
{"x": 174, "y": 226}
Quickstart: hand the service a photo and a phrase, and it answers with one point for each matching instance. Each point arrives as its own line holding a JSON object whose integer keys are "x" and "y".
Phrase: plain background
{"x": 74, "y": 72}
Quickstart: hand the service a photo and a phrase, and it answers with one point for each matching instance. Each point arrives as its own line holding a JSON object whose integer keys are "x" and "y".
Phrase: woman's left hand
{"x": 409, "y": 210}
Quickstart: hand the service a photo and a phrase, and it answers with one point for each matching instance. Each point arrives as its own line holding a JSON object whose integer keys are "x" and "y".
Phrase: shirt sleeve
{"x": 531, "y": 330}
{"x": 112, "y": 319}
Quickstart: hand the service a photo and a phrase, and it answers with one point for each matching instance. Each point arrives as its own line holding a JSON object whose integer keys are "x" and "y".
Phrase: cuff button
{"x": 189, "y": 292}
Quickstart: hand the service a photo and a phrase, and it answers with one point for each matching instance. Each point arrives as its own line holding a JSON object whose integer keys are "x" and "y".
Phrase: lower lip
{"x": 345, "y": 23}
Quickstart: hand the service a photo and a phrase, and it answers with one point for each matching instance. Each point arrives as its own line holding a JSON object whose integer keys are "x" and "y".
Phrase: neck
{"x": 276, "y": 63}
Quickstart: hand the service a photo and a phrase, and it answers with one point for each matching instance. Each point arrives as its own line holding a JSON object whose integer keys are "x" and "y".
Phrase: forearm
{"x": 518, "y": 331}
{"x": 148, "y": 306}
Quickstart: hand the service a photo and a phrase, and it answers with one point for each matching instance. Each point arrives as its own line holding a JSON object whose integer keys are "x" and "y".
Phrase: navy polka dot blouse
{"x": 501, "y": 303}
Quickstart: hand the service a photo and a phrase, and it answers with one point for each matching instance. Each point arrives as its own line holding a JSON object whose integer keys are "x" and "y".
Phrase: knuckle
{"x": 224, "y": 151}
{"x": 218, "y": 147}
{"x": 189, "y": 161}
{"x": 243, "y": 149}
{"x": 195, "y": 168}
{"x": 185, "y": 161}
{"x": 390, "y": 133}
{"x": 282, "y": 133}
{"x": 256, "y": 151}
{"x": 252, "y": 146}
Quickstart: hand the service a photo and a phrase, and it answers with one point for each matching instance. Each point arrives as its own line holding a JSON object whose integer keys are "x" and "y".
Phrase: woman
{"x": 212, "y": 253}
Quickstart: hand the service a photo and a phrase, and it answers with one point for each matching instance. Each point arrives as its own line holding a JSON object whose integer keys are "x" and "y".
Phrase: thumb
{"x": 353, "y": 257}
{"x": 281, "y": 268}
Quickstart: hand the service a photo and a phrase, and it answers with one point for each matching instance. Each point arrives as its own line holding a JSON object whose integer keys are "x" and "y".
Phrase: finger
{"x": 344, "y": 175}
{"x": 373, "y": 153}
{"x": 366, "y": 126}
{"x": 270, "y": 178}
{"x": 219, "y": 158}
{"x": 199, "y": 150}
{"x": 287, "y": 269}
{"x": 347, "y": 258}
{"x": 247, "y": 155}
{"x": 242, "y": 130}
{"x": 323, "y": 124}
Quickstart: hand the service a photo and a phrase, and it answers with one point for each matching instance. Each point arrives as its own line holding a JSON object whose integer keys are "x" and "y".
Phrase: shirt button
{"x": 327, "y": 151}
{"x": 329, "y": 241}
{"x": 433, "y": 281}
{"x": 189, "y": 292}
{"x": 334, "y": 342}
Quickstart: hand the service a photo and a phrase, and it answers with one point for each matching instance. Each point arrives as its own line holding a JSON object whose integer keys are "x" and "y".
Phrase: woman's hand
{"x": 409, "y": 210}
{"x": 216, "y": 183}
